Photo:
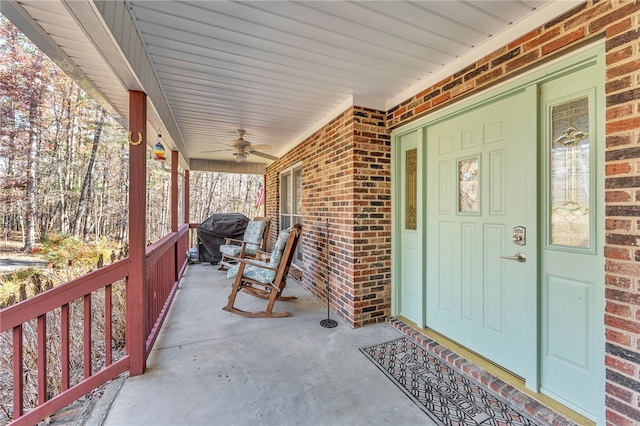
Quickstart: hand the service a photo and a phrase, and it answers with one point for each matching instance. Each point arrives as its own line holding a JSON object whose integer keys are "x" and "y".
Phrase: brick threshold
{"x": 496, "y": 386}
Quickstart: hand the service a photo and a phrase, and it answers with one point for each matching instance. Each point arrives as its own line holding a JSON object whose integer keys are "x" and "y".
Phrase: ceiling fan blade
{"x": 217, "y": 150}
{"x": 262, "y": 154}
{"x": 259, "y": 147}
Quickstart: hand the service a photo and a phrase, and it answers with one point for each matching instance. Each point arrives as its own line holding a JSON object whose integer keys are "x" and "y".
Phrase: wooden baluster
{"x": 18, "y": 373}
{"x": 42, "y": 359}
{"x": 64, "y": 346}
{"x": 87, "y": 336}
{"x": 108, "y": 333}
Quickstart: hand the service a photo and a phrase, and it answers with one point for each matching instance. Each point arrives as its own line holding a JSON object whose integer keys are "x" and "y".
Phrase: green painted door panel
{"x": 541, "y": 319}
{"x": 572, "y": 259}
{"x": 480, "y": 184}
{"x": 411, "y": 251}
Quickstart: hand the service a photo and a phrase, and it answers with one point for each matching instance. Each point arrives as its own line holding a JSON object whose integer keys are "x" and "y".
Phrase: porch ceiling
{"x": 278, "y": 69}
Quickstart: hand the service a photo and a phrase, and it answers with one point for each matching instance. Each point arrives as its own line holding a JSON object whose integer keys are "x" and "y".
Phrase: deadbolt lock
{"x": 519, "y": 237}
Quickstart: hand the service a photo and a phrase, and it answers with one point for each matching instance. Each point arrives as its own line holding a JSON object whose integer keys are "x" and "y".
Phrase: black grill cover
{"x": 213, "y": 232}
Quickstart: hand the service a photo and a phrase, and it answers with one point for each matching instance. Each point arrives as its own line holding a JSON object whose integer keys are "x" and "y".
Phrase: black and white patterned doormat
{"x": 441, "y": 392}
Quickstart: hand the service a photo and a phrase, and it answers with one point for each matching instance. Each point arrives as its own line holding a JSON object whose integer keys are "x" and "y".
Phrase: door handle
{"x": 520, "y": 257}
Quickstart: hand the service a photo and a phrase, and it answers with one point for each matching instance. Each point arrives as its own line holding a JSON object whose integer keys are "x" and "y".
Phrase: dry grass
{"x": 11, "y": 248}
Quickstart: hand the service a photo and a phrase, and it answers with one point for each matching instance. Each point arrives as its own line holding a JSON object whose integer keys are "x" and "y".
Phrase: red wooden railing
{"x": 166, "y": 261}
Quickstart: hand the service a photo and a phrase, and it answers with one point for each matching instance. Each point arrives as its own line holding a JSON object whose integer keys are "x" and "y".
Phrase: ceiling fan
{"x": 242, "y": 148}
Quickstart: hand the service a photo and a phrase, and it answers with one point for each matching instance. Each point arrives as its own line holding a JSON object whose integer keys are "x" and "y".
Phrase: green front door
{"x": 481, "y": 230}
{"x": 511, "y": 228}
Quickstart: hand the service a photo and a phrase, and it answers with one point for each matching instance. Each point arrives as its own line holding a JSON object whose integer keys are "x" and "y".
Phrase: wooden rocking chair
{"x": 254, "y": 241}
{"x": 265, "y": 280}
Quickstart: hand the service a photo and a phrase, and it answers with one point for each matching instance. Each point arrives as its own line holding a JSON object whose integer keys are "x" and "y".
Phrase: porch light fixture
{"x": 158, "y": 150}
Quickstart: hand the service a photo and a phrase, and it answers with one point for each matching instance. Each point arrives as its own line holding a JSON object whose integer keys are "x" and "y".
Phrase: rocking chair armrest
{"x": 250, "y": 263}
{"x": 263, "y": 255}
{"x": 233, "y": 239}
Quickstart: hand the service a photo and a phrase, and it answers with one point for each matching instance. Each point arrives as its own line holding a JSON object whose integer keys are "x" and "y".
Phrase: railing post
{"x": 174, "y": 211}
{"x": 174, "y": 191}
{"x": 186, "y": 196}
{"x": 137, "y": 303}
{"x": 264, "y": 203}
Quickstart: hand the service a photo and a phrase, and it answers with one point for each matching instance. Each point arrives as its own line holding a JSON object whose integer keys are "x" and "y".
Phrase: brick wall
{"x": 346, "y": 179}
{"x": 619, "y": 23}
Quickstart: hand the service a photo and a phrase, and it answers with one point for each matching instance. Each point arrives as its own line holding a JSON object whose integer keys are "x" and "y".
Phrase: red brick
{"x": 616, "y": 419}
{"x": 618, "y": 169}
{"x": 623, "y": 268}
{"x": 619, "y": 111}
{"x": 622, "y": 324}
{"x": 563, "y": 41}
{"x": 621, "y": 283}
{"x": 622, "y": 125}
{"x": 618, "y": 392}
{"x": 400, "y": 111}
{"x": 544, "y": 37}
{"x": 620, "y": 27}
{"x": 618, "y": 140}
{"x": 587, "y": 15}
{"x": 522, "y": 61}
{"x": 621, "y": 338}
{"x": 490, "y": 76}
{"x": 623, "y": 69}
{"x": 621, "y": 366}
{"x": 617, "y": 253}
{"x": 618, "y": 84}
{"x": 531, "y": 35}
{"x": 617, "y": 196}
{"x": 421, "y": 108}
{"x": 618, "y": 309}
{"x": 625, "y": 9}
{"x": 618, "y": 224}
{"x": 442, "y": 98}
{"x": 619, "y": 55}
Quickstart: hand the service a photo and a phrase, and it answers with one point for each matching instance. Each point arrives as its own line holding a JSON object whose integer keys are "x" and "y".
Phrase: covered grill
{"x": 213, "y": 232}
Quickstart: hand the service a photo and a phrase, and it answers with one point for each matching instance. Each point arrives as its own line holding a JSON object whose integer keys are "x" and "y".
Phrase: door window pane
{"x": 285, "y": 198}
{"x": 411, "y": 189}
{"x": 569, "y": 178}
{"x": 291, "y": 204}
{"x": 297, "y": 191}
{"x": 468, "y": 186}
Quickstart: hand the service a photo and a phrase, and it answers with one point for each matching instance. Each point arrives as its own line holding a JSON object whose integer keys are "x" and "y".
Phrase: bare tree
{"x": 82, "y": 213}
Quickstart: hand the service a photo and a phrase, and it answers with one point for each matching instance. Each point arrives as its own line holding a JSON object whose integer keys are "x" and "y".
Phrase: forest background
{"x": 64, "y": 160}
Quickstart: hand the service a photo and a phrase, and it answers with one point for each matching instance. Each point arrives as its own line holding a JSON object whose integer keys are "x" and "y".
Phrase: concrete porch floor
{"x": 210, "y": 367}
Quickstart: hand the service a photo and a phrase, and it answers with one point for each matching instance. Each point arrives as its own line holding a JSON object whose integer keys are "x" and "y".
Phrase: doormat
{"x": 445, "y": 395}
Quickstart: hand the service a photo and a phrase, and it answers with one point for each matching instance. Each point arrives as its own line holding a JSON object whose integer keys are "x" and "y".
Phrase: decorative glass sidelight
{"x": 468, "y": 186}
{"x": 411, "y": 188}
{"x": 570, "y": 177}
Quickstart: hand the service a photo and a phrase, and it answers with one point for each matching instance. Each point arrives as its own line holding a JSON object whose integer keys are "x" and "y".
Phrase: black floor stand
{"x": 328, "y": 322}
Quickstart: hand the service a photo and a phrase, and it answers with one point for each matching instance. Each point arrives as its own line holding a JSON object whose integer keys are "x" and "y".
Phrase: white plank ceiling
{"x": 278, "y": 69}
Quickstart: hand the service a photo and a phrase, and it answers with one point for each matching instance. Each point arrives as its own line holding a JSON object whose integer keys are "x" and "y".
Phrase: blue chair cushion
{"x": 252, "y": 236}
{"x": 256, "y": 273}
{"x": 263, "y": 275}
{"x": 234, "y": 250}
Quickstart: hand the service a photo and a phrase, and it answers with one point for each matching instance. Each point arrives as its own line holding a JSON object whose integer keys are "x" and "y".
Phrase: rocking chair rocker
{"x": 265, "y": 280}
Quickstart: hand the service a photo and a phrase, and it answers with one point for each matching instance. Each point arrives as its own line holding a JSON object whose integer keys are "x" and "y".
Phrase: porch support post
{"x": 185, "y": 196}
{"x": 137, "y": 303}
{"x": 174, "y": 191}
{"x": 264, "y": 203}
